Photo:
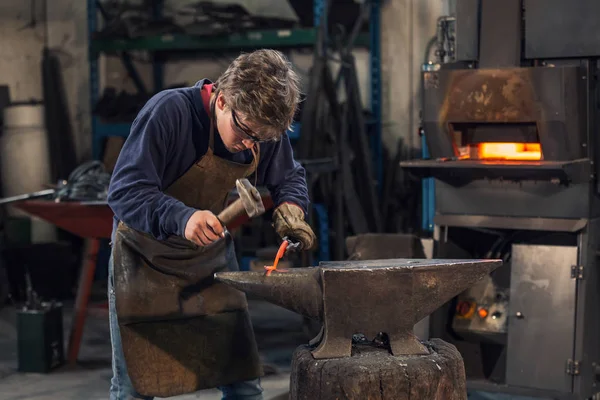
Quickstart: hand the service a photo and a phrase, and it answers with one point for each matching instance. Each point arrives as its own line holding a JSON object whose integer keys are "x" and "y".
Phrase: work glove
{"x": 288, "y": 221}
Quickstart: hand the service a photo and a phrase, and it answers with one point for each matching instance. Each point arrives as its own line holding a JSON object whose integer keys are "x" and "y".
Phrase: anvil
{"x": 366, "y": 297}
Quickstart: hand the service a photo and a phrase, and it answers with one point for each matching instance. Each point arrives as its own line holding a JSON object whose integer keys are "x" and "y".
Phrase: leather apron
{"x": 181, "y": 331}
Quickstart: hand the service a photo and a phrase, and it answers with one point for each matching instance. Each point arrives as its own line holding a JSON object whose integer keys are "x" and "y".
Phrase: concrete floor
{"x": 278, "y": 333}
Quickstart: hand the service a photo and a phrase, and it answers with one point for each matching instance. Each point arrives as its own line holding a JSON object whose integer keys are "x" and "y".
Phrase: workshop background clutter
{"x": 429, "y": 130}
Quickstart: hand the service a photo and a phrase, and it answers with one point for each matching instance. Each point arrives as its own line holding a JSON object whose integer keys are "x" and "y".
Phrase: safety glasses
{"x": 244, "y": 129}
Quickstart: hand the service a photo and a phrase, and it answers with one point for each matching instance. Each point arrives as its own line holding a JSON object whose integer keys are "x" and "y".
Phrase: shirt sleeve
{"x": 282, "y": 174}
{"x": 135, "y": 192}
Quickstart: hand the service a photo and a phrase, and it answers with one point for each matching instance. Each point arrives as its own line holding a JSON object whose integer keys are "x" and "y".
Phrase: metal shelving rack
{"x": 288, "y": 38}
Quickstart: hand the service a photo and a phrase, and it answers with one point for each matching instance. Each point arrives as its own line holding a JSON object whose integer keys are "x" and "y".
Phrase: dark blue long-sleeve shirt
{"x": 168, "y": 136}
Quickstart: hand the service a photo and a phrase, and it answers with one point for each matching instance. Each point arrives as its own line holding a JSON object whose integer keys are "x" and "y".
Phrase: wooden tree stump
{"x": 373, "y": 373}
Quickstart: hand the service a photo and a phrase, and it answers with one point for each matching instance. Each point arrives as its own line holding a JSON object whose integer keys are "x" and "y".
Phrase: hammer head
{"x": 250, "y": 198}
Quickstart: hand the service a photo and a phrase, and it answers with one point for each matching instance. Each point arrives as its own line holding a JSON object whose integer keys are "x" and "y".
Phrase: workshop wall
{"x": 406, "y": 27}
{"x": 23, "y": 31}
{"x": 20, "y": 50}
{"x": 69, "y": 33}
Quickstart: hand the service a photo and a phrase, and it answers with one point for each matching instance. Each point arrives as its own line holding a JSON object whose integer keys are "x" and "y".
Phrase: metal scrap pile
{"x": 88, "y": 182}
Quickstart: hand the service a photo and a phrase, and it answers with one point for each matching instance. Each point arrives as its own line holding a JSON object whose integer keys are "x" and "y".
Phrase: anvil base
{"x": 373, "y": 373}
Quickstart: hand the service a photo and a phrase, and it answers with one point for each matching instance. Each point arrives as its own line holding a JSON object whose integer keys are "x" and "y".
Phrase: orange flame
{"x": 510, "y": 151}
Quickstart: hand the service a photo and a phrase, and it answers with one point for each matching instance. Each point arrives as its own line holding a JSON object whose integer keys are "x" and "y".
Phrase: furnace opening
{"x": 496, "y": 142}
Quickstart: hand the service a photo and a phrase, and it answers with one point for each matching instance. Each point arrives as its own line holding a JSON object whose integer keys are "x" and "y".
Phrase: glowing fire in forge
{"x": 510, "y": 151}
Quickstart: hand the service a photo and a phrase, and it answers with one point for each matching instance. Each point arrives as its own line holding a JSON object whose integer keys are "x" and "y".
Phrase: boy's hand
{"x": 203, "y": 228}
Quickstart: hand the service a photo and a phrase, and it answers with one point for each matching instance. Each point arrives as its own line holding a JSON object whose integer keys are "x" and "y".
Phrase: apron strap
{"x": 255, "y": 160}
{"x": 211, "y": 135}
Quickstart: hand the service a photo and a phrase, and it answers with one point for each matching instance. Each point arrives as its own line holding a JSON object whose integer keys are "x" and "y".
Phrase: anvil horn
{"x": 298, "y": 290}
{"x": 365, "y": 296}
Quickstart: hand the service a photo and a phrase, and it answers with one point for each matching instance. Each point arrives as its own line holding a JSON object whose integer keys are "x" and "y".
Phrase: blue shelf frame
{"x": 428, "y": 194}
{"x": 375, "y": 69}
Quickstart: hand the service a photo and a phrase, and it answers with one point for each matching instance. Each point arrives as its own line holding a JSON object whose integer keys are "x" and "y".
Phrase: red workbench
{"x": 91, "y": 221}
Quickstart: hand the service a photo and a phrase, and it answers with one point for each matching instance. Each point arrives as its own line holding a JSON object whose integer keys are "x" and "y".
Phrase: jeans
{"x": 120, "y": 384}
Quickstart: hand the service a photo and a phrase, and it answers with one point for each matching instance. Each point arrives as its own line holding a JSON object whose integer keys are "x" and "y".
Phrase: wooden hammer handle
{"x": 231, "y": 212}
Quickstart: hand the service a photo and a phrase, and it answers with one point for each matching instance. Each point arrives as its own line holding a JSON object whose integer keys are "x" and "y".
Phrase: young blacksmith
{"x": 173, "y": 329}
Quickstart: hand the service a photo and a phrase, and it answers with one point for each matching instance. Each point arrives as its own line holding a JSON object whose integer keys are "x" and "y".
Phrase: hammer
{"x": 249, "y": 202}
